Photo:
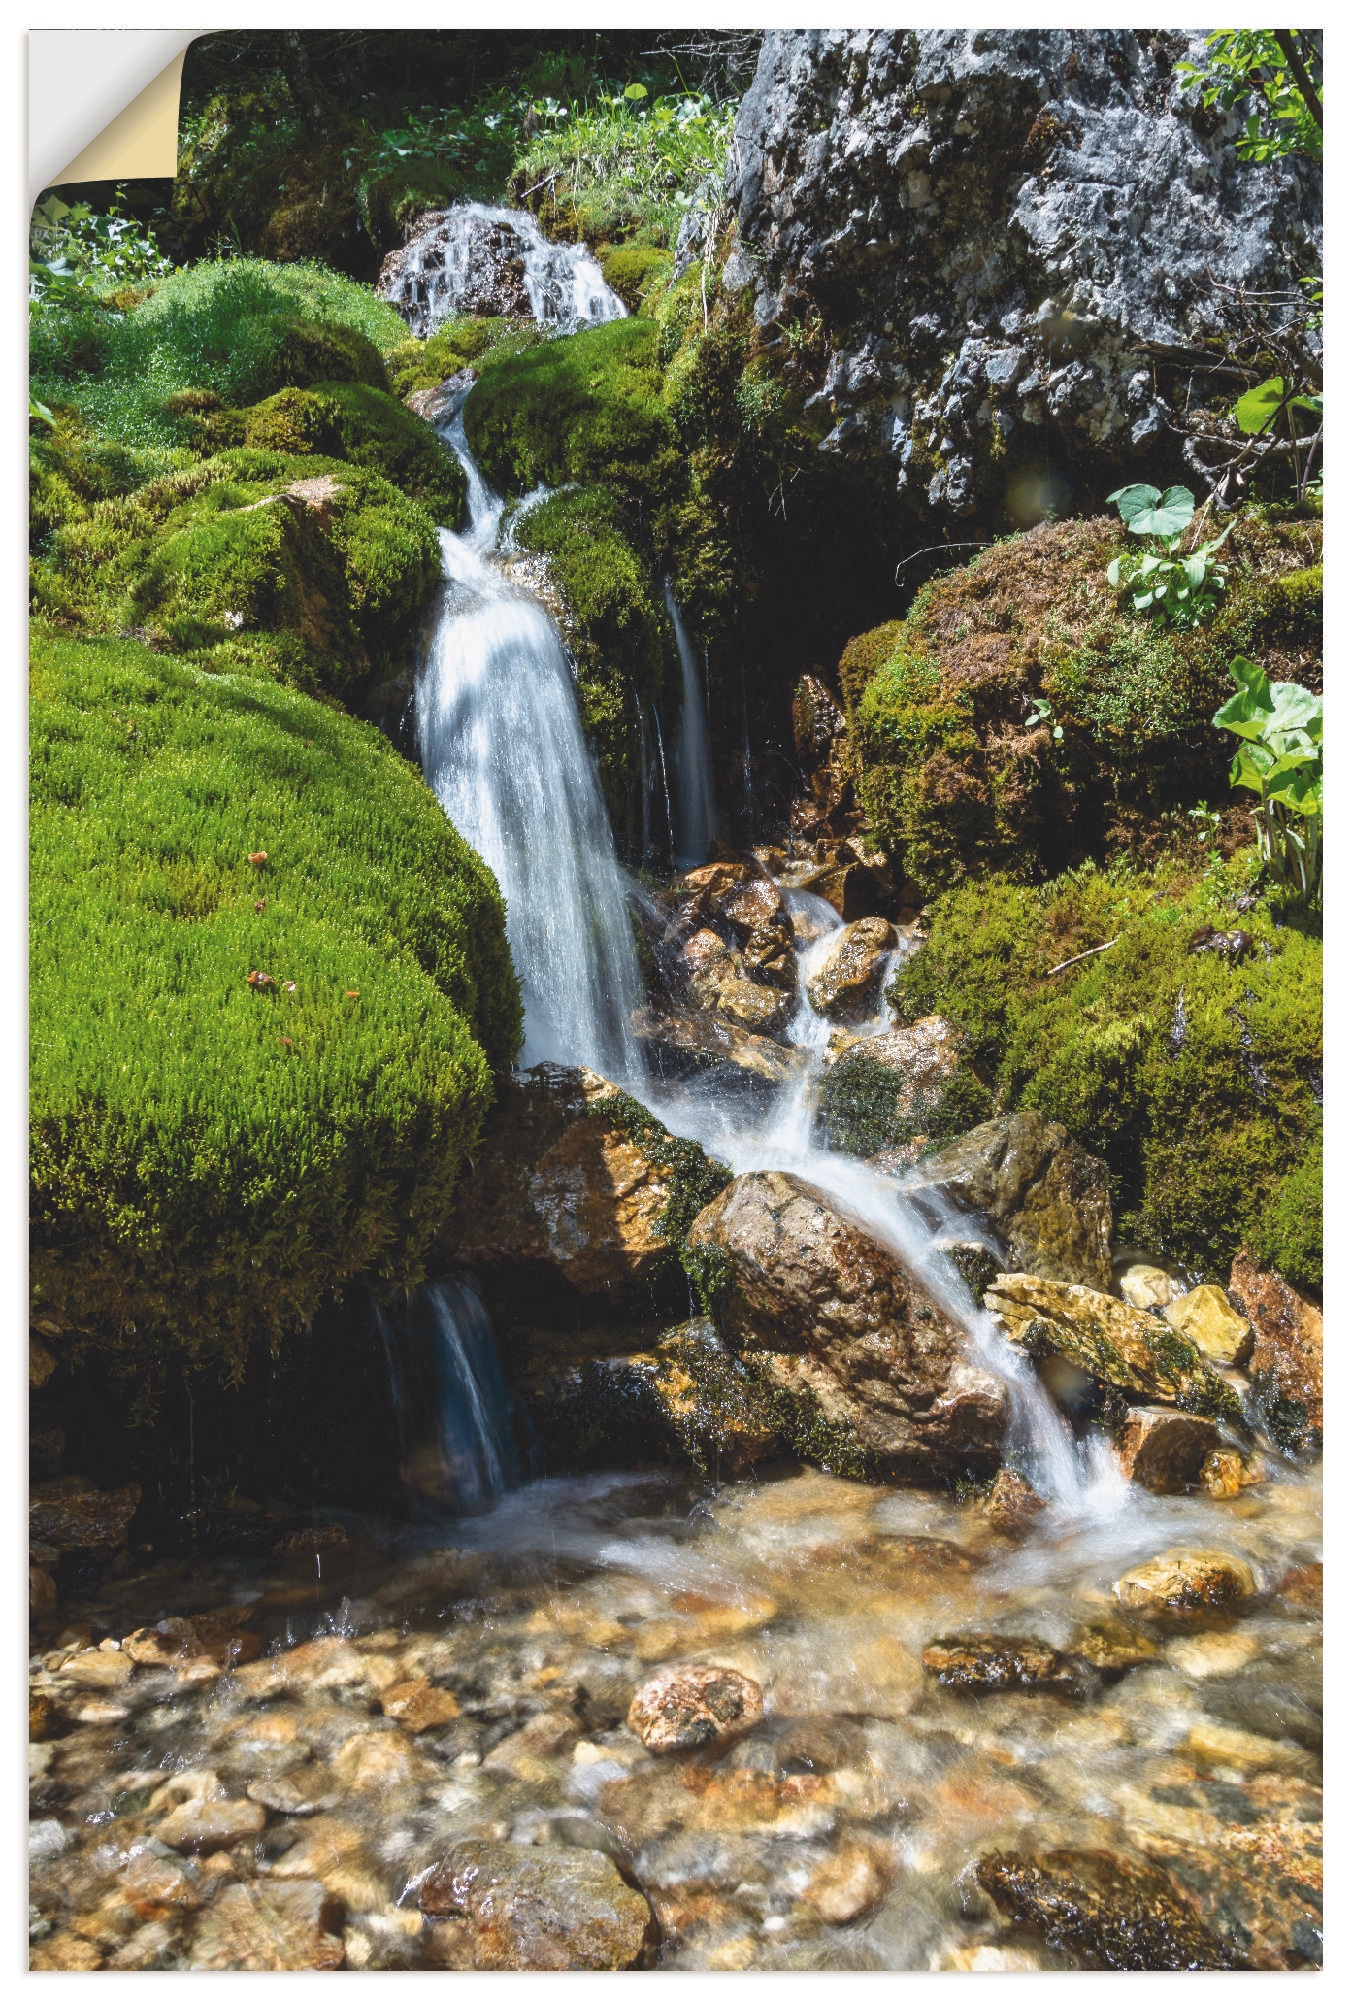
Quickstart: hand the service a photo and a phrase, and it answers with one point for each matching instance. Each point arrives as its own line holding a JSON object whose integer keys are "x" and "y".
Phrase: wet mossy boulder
{"x": 636, "y": 272}
{"x": 1194, "y": 1072}
{"x": 363, "y": 425}
{"x": 584, "y": 408}
{"x": 303, "y": 568}
{"x": 961, "y": 770}
{"x": 461, "y": 342}
{"x": 271, "y": 994}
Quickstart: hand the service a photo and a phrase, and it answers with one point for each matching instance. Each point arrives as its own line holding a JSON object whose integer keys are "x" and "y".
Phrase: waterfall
{"x": 450, "y": 1400}
{"x": 696, "y": 814}
{"x": 502, "y": 747}
{"x": 478, "y": 259}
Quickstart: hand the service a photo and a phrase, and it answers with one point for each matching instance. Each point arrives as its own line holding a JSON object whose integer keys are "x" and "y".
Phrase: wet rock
{"x": 1012, "y": 1505}
{"x": 100, "y": 1667}
{"x": 298, "y": 1793}
{"x": 542, "y": 1909}
{"x": 1109, "y": 1911}
{"x": 1046, "y": 1195}
{"x": 64, "y": 1953}
{"x": 574, "y": 1175}
{"x": 436, "y": 404}
{"x": 417, "y": 1705}
{"x": 269, "y": 1927}
{"x": 833, "y": 1320}
{"x": 201, "y": 1826}
{"x": 1222, "y": 1474}
{"x": 220, "y": 1638}
{"x": 378, "y": 1761}
{"x": 1186, "y": 1580}
{"x": 761, "y": 1010}
{"x": 845, "y": 1885}
{"x": 41, "y": 1716}
{"x": 848, "y": 981}
{"x": 69, "y": 1513}
{"x": 989, "y": 1663}
{"x": 818, "y": 720}
{"x": 1164, "y": 1449}
{"x": 1111, "y": 1647}
{"x": 1287, "y": 1362}
{"x": 727, "y": 1048}
{"x": 976, "y": 1265}
{"x": 525, "y": 1753}
{"x": 41, "y": 1361}
{"x": 1141, "y": 1284}
{"x": 752, "y": 905}
{"x": 1206, "y": 1317}
{"x": 923, "y": 1057}
{"x": 682, "y": 1708}
{"x": 1111, "y": 1342}
{"x": 770, "y": 958}
{"x": 1258, "y": 1886}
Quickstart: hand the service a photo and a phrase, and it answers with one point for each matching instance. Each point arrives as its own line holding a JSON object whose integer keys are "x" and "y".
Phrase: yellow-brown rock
{"x": 1206, "y": 1317}
{"x": 1114, "y": 1343}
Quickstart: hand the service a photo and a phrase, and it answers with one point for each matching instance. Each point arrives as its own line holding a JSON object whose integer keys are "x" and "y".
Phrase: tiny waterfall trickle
{"x": 696, "y": 811}
{"x": 450, "y": 1400}
{"x": 501, "y": 744}
{"x": 473, "y": 258}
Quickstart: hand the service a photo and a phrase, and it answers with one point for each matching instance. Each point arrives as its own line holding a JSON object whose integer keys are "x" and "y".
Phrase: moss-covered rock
{"x": 253, "y": 1078}
{"x": 636, "y": 272}
{"x": 462, "y": 342}
{"x": 954, "y": 709}
{"x": 1193, "y": 1071}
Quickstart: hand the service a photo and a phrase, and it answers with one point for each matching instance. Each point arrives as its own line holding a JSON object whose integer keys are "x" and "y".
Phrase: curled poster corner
{"x": 103, "y": 104}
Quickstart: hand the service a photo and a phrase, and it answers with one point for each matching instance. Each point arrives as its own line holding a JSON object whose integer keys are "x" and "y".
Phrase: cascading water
{"x": 501, "y": 744}
{"x": 474, "y": 258}
{"x": 696, "y": 810}
{"x": 450, "y": 1400}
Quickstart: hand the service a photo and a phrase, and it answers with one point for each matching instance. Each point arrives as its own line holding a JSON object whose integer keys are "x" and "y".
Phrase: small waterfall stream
{"x": 696, "y": 811}
{"x": 451, "y": 1403}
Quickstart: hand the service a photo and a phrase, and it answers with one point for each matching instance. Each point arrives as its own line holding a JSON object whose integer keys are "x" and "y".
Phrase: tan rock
{"x": 1045, "y": 1194}
{"x": 992, "y": 1958}
{"x": 761, "y": 1010}
{"x": 1111, "y": 1647}
{"x": 1143, "y": 1285}
{"x": 269, "y": 1927}
{"x": 845, "y": 1885}
{"x": 418, "y": 1705}
{"x": 377, "y": 1760}
{"x": 201, "y": 1826}
{"x": 299, "y": 1793}
{"x": 95, "y": 1668}
{"x": 1012, "y": 1505}
{"x": 542, "y": 1909}
{"x": 1114, "y": 1343}
{"x": 544, "y": 1736}
{"x": 1287, "y": 1362}
{"x": 64, "y": 1953}
{"x": 1186, "y": 1580}
{"x": 1208, "y": 1653}
{"x": 1206, "y": 1317}
{"x": 1222, "y": 1474}
{"x": 1241, "y": 1749}
{"x": 847, "y": 981}
{"x": 683, "y": 1707}
{"x": 330, "y": 1845}
{"x": 1164, "y": 1449}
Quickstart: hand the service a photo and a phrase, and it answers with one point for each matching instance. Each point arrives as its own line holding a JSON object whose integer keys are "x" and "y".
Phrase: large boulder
{"x": 1287, "y": 1361}
{"x": 1115, "y": 1344}
{"x": 576, "y": 1176}
{"x": 835, "y": 1321}
{"x": 1014, "y": 239}
{"x": 1046, "y": 1195}
{"x": 880, "y": 1090}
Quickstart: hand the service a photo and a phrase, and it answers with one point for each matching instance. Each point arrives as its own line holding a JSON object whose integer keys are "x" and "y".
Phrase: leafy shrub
{"x": 585, "y": 408}
{"x": 210, "y": 1158}
{"x": 1254, "y": 71}
{"x": 1186, "y": 1054}
{"x": 1281, "y": 758}
{"x": 73, "y": 249}
{"x": 1162, "y": 581}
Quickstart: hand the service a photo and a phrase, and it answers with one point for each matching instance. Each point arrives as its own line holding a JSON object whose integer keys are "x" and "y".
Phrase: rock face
{"x": 1111, "y": 1911}
{"x": 1206, "y": 1317}
{"x": 1115, "y": 1344}
{"x": 835, "y": 1319}
{"x": 1164, "y": 1450}
{"x": 847, "y": 983}
{"x": 574, "y": 1175}
{"x": 533, "y": 1909}
{"x": 1046, "y": 1195}
{"x": 683, "y": 1708}
{"x": 69, "y": 1513}
{"x": 1287, "y": 1362}
{"x": 998, "y": 229}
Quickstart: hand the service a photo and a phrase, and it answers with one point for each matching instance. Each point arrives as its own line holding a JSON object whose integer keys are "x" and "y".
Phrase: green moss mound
{"x": 586, "y": 408}
{"x": 961, "y": 771}
{"x": 367, "y": 427}
{"x": 617, "y": 626}
{"x": 239, "y": 328}
{"x": 305, "y": 568}
{"x": 459, "y": 343}
{"x": 636, "y": 272}
{"x": 1194, "y": 1073}
{"x": 210, "y": 1158}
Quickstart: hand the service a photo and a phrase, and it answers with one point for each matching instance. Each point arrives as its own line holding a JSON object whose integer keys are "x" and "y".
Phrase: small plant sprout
{"x": 1206, "y": 823}
{"x": 1281, "y": 757}
{"x": 1164, "y": 582}
{"x": 1042, "y": 714}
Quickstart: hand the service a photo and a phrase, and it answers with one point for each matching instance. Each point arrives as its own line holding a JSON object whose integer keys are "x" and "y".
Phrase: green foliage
{"x": 373, "y": 429}
{"x": 627, "y": 162}
{"x": 635, "y": 271}
{"x": 211, "y": 1157}
{"x": 1180, "y": 588}
{"x": 1248, "y": 70}
{"x": 1258, "y": 409}
{"x": 71, "y": 249}
{"x": 456, "y": 344}
{"x": 586, "y": 408}
{"x": 1281, "y": 757}
{"x": 617, "y": 628}
{"x": 1189, "y": 1070}
{"x": 238, "y": 327}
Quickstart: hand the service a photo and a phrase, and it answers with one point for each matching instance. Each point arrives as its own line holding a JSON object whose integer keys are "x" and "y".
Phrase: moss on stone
{"x": 857, "y": 1102}
{"x": 1188, "y": 1071}
{"x": 461, "y": 342}
{"x": 636, "y": 272}
{"x": 363, "y": 425}
{"x": 693, "y": 1179}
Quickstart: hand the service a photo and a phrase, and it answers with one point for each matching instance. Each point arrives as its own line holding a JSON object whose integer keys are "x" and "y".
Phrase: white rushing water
{"x": 502, "y": 746}
{"x": 696, "y": 810}
{"x": 448, "y": 268}
{"x": 450, "y": 1400}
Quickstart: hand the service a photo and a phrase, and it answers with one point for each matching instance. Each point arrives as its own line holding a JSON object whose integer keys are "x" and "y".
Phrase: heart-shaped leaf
{"x": 1256, "y": 408}
{"x": 1175, "y": 509}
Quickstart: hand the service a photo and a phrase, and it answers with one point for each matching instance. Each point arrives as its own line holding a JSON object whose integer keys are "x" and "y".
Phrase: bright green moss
{"x": 374, "y": 430}
{"x": 585, "y": 408}
{"x": 458, "y": 343}
{"x": 857, "y": 1101}
{"x": 636, "y": 272}
{"x": 1190, "y": 1073}
{"x": 617, "y": 626}
{"x": 209, "y": 1158}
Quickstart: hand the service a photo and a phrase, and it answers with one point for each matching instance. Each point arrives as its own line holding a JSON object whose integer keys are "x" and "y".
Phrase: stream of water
{"x": 838, "y": 1835}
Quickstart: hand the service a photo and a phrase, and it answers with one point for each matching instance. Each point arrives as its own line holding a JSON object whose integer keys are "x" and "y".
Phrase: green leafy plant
{"x": 1164, "y": 581}
{"x": 1042, "y": 713}
{"x": 1269, "y": 76}
{"x": 71, "y": 249}
{"x": 1259, "y": 413}
{"x": 1280, "y": 757}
